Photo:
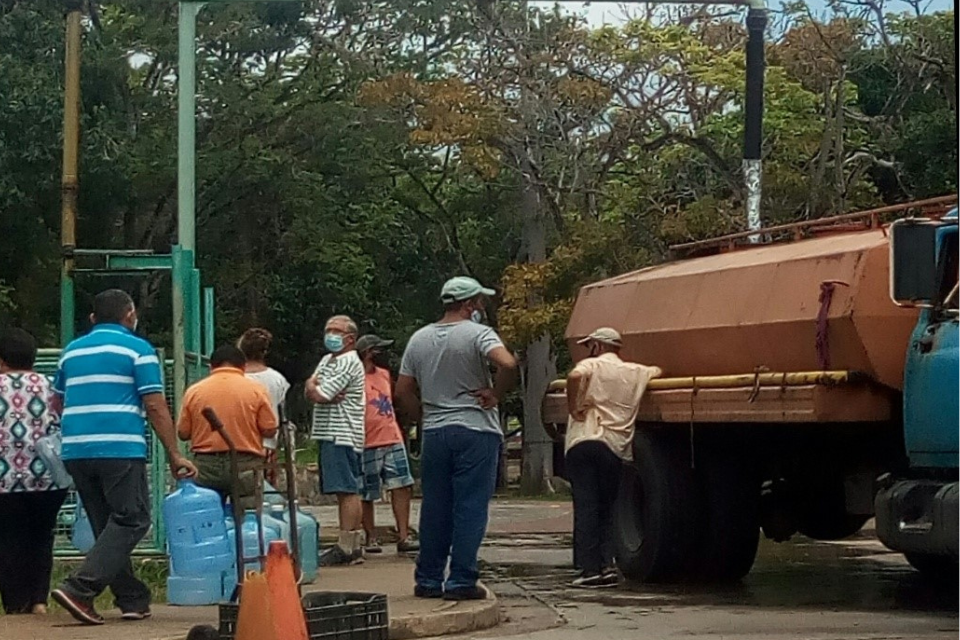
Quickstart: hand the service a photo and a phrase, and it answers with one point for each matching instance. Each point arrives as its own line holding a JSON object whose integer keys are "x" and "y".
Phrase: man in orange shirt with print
{"x": 384, "y": 455}
{"x": 244, "y": 407}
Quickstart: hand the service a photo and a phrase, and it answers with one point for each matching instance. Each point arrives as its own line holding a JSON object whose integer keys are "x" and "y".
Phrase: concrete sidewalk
{"x": 389, "y": 574}
{"x": 508, "y": 517}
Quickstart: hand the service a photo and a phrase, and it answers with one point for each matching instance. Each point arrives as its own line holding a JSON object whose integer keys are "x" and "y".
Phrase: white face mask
{"x": 477, "y": 316}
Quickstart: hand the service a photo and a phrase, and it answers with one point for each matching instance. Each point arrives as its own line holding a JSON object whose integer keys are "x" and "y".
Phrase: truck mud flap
{"x": 919, "y": 516}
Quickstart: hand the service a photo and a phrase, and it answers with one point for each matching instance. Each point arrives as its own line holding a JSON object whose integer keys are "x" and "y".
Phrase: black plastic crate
{"x": 331, "y": 615}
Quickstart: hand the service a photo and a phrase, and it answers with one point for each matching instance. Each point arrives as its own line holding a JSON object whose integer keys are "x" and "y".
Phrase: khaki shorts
{"x": 214, "y": 473}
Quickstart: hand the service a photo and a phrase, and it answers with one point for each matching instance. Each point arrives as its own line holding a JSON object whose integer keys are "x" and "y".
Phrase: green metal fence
{"x": 157, "y": 471}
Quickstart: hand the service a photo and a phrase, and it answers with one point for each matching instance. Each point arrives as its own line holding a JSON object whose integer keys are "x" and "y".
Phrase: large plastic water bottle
{"x": 250, "y": 530}
{"x": 308, "y": 537}
{"x": 273, "y": 517}
{"x": 194, "y": 591}
{"x": 229, "y": 583}
{"x": 82, "y": 535}
{"x": 196, "y": 532}
{"x": 271, "y": 495}
{"x": 229, "y": 580}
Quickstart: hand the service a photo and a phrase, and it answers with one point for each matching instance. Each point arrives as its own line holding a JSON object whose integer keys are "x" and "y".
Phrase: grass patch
{"x": 306, "y": 452}
{"x": 151, "y": 571}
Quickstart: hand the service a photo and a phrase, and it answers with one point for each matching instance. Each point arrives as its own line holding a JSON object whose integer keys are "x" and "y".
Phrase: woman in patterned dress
{"x": 29, "y": 499}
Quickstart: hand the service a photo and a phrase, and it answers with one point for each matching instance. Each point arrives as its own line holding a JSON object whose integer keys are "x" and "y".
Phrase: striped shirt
{"x": 340, "y": 422}
{"x": 102, "y": 378}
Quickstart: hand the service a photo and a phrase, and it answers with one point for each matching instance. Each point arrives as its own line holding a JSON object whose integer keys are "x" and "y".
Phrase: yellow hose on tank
{"x": 785, "y": 379}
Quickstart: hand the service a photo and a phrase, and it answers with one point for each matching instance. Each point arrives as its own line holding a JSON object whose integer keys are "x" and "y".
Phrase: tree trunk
{"x": 538, "y": 366}
{"x": 537, "y": 469}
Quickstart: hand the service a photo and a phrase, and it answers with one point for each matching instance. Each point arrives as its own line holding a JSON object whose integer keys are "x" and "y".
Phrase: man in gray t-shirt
{"x": 453, "y": 360}
{"x": 445, "y": 382}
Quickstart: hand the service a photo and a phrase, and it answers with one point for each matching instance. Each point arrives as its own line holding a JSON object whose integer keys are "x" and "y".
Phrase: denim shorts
{"x": 387, "y": 465}
{"x": 340, "y": 469}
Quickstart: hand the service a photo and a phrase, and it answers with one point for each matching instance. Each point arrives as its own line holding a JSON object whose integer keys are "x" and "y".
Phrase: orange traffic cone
{"x": 288, "y": 618}
{"x": 255, "y": 620}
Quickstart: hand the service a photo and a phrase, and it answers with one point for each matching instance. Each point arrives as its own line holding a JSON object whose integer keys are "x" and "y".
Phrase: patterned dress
{"x": 25, "y": 417}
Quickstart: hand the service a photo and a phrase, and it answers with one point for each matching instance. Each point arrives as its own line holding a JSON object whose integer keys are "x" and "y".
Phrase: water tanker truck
{"x": 810, "y": 383}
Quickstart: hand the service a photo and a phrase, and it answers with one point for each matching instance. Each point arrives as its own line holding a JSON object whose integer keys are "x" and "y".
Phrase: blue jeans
{"x": 459, "y": 475}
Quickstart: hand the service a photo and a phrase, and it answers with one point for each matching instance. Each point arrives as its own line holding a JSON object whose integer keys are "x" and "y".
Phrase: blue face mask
{"x": 333, "y": 342}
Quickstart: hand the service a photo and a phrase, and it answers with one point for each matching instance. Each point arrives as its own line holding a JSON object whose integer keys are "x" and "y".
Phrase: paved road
{"x": 853, "y": 589}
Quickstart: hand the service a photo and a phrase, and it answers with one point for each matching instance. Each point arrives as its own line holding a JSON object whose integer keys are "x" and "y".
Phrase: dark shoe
{"x": 373, "y": 547}
{"x": 80, "y": 610}
{"x": 337, "y": 557}
{"x": 424, "y": 592}
{"x": 594, "y": 581}
{"x": 465, "y": 593}
{"x": 135, "y": 616}
{"x": 408, "y": 546}
{"x": 610, "y": 578}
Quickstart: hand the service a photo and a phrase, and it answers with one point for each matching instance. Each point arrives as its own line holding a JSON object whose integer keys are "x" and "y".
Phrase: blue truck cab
{"x": 917, "y": 508}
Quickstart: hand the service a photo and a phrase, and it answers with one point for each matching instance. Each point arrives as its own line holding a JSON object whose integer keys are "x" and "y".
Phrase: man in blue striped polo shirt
{"x": 109, "y": 381}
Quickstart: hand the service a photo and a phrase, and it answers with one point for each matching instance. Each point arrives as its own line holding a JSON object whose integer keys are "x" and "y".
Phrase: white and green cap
{"x": 463, "y": 288}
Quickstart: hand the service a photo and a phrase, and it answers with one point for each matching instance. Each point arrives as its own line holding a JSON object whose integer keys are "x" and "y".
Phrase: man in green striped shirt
{"x": 337, "y": 389}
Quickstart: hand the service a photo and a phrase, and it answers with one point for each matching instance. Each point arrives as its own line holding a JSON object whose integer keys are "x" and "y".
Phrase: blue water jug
{"x": 271, "y": 495}
{"x": 250, "y": 530}
{"x": 196, "y": 532}
{"x": 273, "y": 519}
{"x": 82, "y": 535}
{"x": 308, "y": 536}
{"x": 194, "y": 591}
{"x": 229, "y": 584}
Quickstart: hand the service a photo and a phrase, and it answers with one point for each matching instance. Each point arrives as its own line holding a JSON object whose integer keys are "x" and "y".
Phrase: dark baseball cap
{"x": 371, "y": 341}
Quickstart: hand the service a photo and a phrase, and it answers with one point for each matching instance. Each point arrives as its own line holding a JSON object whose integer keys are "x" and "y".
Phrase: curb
{"x": 452, "y": 618}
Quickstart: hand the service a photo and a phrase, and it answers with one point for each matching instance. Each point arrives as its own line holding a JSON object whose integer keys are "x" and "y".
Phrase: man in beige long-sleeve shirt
{"x": 603, "y": 397}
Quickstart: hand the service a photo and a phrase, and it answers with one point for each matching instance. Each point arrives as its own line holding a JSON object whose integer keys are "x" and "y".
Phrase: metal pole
{"x": 70, "y": 182}
{"x": 753, "y": 105}
{"x": 178, "y": 273}
{"x": 209, "y": 321}
{"x": 187, "y": 124}
{"x": 753, "y": 115}
{"x": 186, "y": 186}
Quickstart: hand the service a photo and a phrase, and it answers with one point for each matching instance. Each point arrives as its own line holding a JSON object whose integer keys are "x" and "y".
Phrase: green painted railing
{"x": 157, "y": 471}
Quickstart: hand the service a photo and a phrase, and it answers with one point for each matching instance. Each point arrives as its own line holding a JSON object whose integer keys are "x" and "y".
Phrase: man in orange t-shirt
{"x": 384, "y": 455}
{"x": 244, "y": 407}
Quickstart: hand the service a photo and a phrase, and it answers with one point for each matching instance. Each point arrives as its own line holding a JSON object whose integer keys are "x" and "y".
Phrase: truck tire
{"x": 938, "y": 569}
{"x": 731, "y": 513}
{"x": 656, "y": 510}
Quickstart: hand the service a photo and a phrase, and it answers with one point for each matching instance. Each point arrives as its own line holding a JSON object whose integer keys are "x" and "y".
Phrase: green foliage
{"x": 351, "y": 157}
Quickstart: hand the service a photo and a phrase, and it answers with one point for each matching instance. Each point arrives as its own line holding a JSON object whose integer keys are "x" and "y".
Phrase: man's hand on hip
{"x": 487, "y": 397}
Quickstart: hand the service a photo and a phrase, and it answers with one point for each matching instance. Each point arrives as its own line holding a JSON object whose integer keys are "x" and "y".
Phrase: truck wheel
{"x": 939, "y": 569}
{"x": 656, "y": 511}
{"x": 731, "y": 532}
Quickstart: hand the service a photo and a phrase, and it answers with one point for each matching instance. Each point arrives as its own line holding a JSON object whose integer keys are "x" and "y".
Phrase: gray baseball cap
{"x": 371, "y": 341}
{"x": 463, "y": 288}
